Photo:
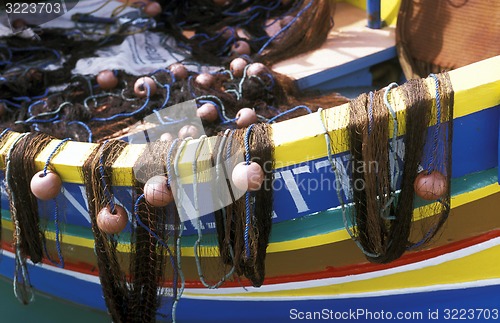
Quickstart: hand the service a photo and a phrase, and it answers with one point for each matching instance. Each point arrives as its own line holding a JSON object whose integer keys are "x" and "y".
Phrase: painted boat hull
{"x": 462, "y": 276}
{"x": 312, "y": 266}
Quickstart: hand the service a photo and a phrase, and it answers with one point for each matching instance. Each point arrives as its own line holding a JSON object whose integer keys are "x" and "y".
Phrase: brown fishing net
{"x": 99, "y": 195}
{"x": 299, "y": 26}
{"x": 153, "y": 257}
{"x": 383, "y": 173}
{"x": 433, "y": 36}
{"x": 23, "y": 204}
{"x": 245, "y": 226}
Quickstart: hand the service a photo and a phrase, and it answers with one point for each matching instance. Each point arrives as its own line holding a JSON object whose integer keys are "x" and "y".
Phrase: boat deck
{"x": 345, "y": 58}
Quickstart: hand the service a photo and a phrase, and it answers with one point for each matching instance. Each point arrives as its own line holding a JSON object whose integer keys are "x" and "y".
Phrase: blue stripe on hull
{"x": 368, "y": 308}
{"x": 365, "y": 309}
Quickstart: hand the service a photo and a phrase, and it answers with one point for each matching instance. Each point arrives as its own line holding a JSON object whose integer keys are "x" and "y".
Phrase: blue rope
{"x": 34, "y": 120}
{"x": 247, "y": 144}
{"x": 128, "y": 114}
{"x": 160, "y": 241}
{"x": 167, "y": 95}
{"x": 107, "y": 191}
{"x": 30, "y": 107}
{"x": 289, "y": 111}
{"x": 172, "y": 76}
{"x": 269, "y": 87}
{"x": 4, "y": 132}
{"x": 29, "y": 99}
{"x": 190, "y": 85}
{"x": 56, "y": 208}
{"x": 370, "y": 112}
{"x": 270, "y": 40}
{"x": 438, "y": 125}
{"x": 52, "y": 154}
{"x": 247, "y": 194}
{"x": 7, "y": 102}
{"x": 58, "y": 234}
{"x": 148, "y": 229}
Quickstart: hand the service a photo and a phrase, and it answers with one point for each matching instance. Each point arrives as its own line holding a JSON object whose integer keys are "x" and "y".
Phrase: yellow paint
{"x": 389, "y": 9}
{"x": 476, "y": 86}
{"x": 478, "y": 266}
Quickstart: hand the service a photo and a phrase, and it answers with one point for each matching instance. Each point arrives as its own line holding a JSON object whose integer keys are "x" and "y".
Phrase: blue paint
{"x": 475, "y": 142}
{"x": 373, "y": 12}
{"x": 282, "y": 311}
{"x": 356, "y": 80}
{"x": 310, "y": 82}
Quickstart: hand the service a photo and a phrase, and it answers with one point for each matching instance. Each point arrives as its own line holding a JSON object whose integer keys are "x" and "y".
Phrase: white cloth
{"x": 138, "y": 54}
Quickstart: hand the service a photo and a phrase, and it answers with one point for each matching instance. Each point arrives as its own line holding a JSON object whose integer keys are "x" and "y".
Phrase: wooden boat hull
{"x": 312, "y": 265}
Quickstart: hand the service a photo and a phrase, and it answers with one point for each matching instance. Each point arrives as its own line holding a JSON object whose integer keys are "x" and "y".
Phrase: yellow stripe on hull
{"x": 476, "y": 263}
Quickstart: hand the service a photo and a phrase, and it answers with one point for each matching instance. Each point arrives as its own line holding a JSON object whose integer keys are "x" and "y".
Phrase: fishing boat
{"x": 315, "y": 270}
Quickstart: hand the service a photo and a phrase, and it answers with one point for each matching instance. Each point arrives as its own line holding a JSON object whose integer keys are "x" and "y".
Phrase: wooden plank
{"x": 349, "y": 41}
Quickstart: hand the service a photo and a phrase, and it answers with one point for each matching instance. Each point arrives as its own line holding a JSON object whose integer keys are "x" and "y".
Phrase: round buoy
{"x": 207, "y": 112}
{"x": 156, "y": 191}
{"x": 46, "y": 187}
{"x": 206, "y": 80}
{"x": 19, "y": 24}
{"x": 245, "y": 117}
{"x": 256, "y": 69}
{"x": 241, "y": 47}
{"x": 153, "y": 9}
{"x": 237, "y": 66}
{"x": 107, "y": 80}
{"x": 140, "y": 87}
{"x": 166, "y": 136}
{"x": 112, "y": 223}
{"x": 248, "y": 177}
{"x": 179, "y": 70}
{"x": 431, "y": 186}
{"x": 188, "y": 131}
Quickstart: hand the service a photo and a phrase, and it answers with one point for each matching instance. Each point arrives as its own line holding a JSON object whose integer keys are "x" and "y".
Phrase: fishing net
{"x": 394, "y": 185}
{"x": 433, "y": 36}
{"x": 50, "y": 88}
